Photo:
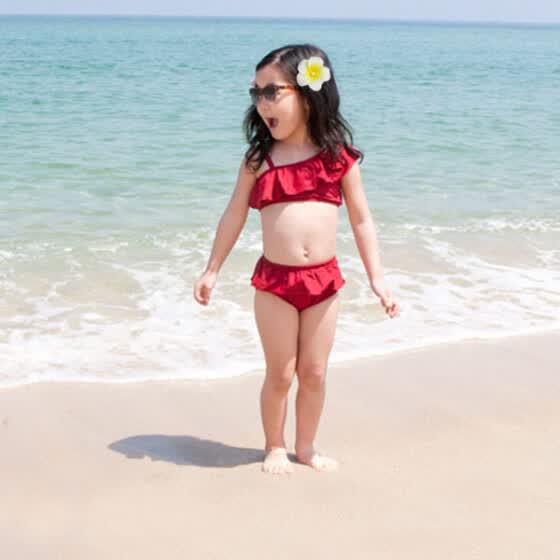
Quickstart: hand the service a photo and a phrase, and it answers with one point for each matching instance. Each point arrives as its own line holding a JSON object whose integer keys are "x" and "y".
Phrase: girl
{"x": 295, "y": 172}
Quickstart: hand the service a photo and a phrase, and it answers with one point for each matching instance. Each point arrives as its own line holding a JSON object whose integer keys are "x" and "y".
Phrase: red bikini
{"x": 315, "y": 178}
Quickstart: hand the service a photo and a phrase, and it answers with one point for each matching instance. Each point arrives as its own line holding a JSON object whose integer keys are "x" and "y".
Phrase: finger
{"x": 200, "y": 294}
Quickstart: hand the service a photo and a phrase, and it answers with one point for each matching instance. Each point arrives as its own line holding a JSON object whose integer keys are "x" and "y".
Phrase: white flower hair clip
{"x": 312, "y": 72}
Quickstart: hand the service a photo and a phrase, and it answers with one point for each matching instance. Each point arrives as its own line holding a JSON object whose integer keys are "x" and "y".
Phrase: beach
{"x": 129, "y": 414}
{"x": 449, "y": 451}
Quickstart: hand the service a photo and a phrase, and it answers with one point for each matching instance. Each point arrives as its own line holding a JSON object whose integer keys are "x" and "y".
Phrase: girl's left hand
{"x": 386, "y": 295}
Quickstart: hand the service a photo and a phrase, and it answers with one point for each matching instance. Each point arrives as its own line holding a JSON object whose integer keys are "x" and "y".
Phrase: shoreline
{"x": 338, "y": 364}
{"x": 446, "y": 451}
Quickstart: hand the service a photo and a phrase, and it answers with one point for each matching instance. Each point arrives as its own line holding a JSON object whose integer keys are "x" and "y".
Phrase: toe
{"x": 323, "y": 463}
{"x": 277, "y": 462}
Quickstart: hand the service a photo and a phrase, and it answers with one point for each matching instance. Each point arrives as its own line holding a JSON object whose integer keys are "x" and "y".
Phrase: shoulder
{"x": 349, "y": 154}
{"x": 252, "y": 167}
{"x": 346, "y": 156}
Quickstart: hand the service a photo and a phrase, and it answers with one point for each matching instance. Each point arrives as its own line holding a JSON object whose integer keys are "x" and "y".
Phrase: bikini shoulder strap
{"x": 269, "y": 161}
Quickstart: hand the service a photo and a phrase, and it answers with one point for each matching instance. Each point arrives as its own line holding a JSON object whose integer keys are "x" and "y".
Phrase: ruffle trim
{"x": 315, "y": 178}
{"x": 312, "y": 282}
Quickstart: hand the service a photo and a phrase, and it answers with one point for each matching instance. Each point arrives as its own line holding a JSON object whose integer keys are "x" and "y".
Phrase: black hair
{"x": 327, "y": 128}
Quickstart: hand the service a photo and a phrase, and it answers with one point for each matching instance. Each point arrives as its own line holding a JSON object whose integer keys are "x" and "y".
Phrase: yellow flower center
{"x": 313, "y": 71}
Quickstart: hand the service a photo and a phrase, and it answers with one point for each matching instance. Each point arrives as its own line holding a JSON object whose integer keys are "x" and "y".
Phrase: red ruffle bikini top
{"x": 314, "y": 178}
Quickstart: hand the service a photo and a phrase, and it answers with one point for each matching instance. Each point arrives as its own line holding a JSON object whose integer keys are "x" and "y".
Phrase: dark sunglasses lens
{"x": 269, "y": 93}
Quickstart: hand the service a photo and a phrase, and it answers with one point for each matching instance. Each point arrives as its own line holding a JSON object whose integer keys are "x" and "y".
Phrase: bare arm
{"x": 362, "y": 222}
{"x": 233, "y": 219}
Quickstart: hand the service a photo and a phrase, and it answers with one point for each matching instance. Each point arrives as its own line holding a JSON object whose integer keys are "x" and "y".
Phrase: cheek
{"x": 290, "y": 112}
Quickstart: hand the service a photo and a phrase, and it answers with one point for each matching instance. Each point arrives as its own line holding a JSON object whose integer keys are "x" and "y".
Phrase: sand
{"x": 447, "y": 452}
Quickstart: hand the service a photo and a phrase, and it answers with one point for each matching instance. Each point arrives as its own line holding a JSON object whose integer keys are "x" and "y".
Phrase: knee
{"x": 280, "y": 381}
{"x": 312, "y": 377}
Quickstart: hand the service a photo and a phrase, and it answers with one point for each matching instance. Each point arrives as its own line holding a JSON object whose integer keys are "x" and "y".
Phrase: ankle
{"x": 269, "y": 448}
{"x": 304, "y": 448}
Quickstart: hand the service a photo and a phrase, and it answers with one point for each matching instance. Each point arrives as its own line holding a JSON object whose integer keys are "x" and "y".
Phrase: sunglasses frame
{"x": 256, "y": 93}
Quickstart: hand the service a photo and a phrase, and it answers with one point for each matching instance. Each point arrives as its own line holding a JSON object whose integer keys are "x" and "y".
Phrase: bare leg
{"x": 277, "y": 323}
{"x": 317, "y": 326}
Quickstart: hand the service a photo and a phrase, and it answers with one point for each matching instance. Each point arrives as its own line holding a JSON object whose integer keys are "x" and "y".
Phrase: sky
{"x": 531, "y": 11}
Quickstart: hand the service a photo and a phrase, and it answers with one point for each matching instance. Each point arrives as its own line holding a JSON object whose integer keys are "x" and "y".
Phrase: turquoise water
{"x": 120, "y": 141}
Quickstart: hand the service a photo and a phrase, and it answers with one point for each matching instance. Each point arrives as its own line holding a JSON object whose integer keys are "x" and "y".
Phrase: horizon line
{"x": 298, "y": 18}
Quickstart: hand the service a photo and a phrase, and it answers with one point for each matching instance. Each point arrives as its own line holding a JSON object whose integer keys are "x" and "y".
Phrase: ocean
{"x": 120, "y": 141}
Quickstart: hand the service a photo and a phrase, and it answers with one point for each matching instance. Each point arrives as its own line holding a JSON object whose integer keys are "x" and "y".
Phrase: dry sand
{"x": 448, "y": 452}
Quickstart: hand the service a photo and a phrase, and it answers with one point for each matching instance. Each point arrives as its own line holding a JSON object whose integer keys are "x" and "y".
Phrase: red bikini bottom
{"x": 301, "y": 286}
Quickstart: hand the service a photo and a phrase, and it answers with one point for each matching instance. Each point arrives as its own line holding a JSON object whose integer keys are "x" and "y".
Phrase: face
{"x": 286, "y": 117}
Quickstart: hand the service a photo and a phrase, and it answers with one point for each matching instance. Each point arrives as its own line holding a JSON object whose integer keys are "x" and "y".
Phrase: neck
{"x": 299, "y": 138}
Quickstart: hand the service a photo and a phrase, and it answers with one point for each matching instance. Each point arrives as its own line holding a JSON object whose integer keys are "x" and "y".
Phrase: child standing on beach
{"x": 296, "y": 170}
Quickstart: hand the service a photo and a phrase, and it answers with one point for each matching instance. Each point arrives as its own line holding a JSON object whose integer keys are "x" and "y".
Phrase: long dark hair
{"x": 327, "y": 128}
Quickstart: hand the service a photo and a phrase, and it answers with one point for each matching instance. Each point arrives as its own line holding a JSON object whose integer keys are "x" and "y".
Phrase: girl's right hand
{"x": 203, "y": 287}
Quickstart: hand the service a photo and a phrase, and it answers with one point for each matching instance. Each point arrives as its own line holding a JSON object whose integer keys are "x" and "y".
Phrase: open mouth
{"x": 272, "y": 122}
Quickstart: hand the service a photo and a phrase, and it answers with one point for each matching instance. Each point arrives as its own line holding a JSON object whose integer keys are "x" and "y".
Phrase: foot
{"x": 317, "y": 460}
{"x": 277, "y": 462}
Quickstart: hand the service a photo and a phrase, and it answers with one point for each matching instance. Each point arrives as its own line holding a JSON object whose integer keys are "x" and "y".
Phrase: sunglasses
{"x": 269, "y": 92}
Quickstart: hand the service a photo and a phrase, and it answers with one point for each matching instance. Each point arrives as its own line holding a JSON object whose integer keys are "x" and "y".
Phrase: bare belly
{"x": 299, "y": 232}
